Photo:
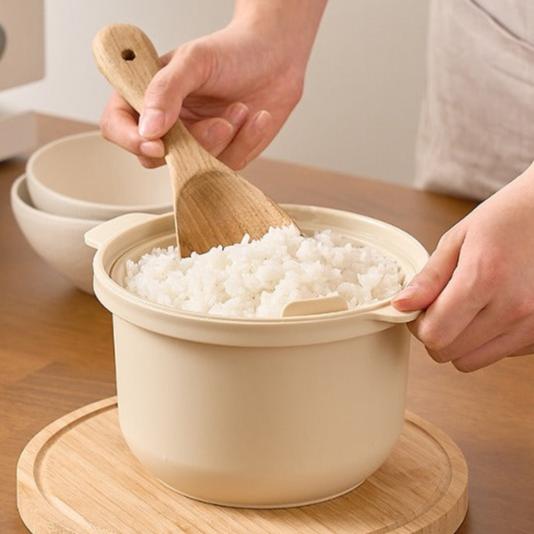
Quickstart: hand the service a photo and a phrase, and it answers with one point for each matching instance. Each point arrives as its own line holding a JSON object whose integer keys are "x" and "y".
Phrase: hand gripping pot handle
{"x": 99, "y": 235}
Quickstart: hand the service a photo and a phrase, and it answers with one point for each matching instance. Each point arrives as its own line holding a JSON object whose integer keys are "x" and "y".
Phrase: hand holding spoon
{"x": 213, "y": 205}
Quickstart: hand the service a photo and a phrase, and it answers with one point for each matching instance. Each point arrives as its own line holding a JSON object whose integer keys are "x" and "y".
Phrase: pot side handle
{"x": 99, "y": 235}
{"x": 315, "y": 306}
{"x": 335, "y": 303}
{"x": 389, "y": 314}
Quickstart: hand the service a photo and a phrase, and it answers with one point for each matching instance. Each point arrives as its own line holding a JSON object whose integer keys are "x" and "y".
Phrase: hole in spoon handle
{"x": 115, "y": 48}
{"x": 128, "y": 54}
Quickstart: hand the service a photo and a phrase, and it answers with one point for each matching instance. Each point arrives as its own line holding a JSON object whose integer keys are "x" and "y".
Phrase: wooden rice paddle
{"x": 213, "y": 205}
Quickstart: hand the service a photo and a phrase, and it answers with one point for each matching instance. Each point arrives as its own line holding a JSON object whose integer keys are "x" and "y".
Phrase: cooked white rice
{"x": 258, "y": 278}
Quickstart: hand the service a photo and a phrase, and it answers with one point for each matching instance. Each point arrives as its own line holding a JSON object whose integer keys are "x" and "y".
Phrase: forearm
{"x": 293, "y": 24}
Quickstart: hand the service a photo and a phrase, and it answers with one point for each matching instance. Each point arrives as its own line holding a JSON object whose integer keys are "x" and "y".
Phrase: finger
{"x": 525, "y": 351}
{"x": 250, "y": 141}
{"x": 236, "y": 114}
{"x": 213, "y": 134}
{"x": 119, "y": 125}
{"x": 188, "y": 69}
{"x": 166, "y": 58}
{"x": 478, "y": 332}
{"x": 150, "y": 163}
{"x": 452, "y": 313}
{"x": 428, "y": 284}
{"x": 487, "y": 325}
{"x": 496, "y": 349}
{"x": 216, "y": 133}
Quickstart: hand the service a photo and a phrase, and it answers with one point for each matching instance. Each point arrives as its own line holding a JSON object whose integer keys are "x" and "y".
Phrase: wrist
{"x": 288, "y": 26}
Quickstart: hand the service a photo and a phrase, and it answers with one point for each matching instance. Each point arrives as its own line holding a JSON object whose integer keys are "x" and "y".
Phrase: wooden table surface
{"x": 56, "y": 347}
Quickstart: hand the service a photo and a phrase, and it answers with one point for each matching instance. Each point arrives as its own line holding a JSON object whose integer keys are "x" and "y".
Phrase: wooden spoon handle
{"x": 128, "y": 59}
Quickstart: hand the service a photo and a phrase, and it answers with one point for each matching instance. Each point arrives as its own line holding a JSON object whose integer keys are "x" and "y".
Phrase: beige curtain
{"x": 477, "y": 121}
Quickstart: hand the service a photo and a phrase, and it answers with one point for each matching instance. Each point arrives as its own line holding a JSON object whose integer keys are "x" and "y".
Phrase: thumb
{"x": 188, "y": 69}
{"x": 425, "y": 287}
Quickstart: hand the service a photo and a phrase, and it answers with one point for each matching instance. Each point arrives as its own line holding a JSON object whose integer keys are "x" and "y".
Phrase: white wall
{"x": 360, "y": 109}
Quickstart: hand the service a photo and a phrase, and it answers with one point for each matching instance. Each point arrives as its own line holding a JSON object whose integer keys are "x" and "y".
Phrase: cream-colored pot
{"x": 256, "y": 413}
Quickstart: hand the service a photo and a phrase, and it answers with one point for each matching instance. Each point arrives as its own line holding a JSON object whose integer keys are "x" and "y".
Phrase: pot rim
{"x": 105, "y": 283}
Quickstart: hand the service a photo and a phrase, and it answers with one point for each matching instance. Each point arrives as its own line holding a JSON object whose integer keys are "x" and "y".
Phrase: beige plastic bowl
{"x": 250, "y": 412}
{"x": 58, "y": 240}
{"x": 88, "y": 177}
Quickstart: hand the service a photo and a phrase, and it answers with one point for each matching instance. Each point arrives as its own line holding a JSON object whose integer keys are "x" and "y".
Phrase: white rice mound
{"x": 258, "y": 278}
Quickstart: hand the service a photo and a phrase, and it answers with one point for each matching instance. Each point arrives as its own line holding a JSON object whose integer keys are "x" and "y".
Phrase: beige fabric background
{"x": 477, "y": 122}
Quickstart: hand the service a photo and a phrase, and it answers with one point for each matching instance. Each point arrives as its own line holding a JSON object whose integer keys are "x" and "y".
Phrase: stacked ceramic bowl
{"x": 74, "y": 184}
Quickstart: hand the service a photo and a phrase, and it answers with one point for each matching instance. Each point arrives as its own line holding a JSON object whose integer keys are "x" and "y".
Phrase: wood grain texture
{"x": 213, "y": 204}
{"x": 64, "y": 360}
{"x": 78, "y": 475}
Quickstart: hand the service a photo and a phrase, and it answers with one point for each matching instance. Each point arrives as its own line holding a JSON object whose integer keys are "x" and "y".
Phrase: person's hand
{"x": 233, "y": 89}
{"x": 477, "y": 290}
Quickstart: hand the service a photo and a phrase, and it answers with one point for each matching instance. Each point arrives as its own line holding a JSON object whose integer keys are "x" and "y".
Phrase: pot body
{"x": 261, "y": 427}
{"x": 256, "y": 412}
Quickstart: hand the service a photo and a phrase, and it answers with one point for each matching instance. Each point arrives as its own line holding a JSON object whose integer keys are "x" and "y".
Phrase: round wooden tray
{"x": 78, "y": 475}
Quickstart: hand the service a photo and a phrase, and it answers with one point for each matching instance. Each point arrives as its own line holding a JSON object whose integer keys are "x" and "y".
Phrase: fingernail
{"x": 407, "y": 293}
{"x": 237, "y": 114}
{"x": 151, "y": 123}
{"x": 261, "y": 120}
{"x": 218, "y": 132}
{"x": 152, "y": 149}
